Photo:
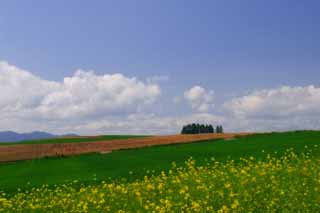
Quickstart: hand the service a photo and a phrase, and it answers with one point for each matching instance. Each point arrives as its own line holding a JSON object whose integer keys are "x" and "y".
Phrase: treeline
{"x": 201, "y": 128}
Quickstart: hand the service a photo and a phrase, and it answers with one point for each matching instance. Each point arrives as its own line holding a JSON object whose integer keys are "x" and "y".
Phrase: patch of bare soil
{"x": 32, "y": 151}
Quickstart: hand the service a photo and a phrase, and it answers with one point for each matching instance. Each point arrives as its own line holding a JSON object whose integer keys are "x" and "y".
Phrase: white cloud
{"x": 87, "y": 103}
{"x": 199, "y": 98}
{"x": 147, "y": 124}
{"x": 21, "y": 91}
{"x": 84, "y": 94}
{"x": 284, "y": 108}
{"x": 87, "y": 94}
{"x": 280, "y": 102}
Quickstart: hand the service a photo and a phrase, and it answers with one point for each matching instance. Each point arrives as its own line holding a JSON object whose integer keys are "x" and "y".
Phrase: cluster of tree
{"x": 219, "y": 129}
{"x": 201, "y": 128}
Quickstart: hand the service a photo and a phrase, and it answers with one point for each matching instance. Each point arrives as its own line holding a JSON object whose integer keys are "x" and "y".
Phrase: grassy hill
{"x": 135, "y": 163}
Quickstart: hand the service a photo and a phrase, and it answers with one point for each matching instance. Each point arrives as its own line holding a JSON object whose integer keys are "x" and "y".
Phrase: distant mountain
{"x": 10, "y": 136}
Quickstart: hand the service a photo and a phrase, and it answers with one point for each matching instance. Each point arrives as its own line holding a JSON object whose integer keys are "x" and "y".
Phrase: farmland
{"x": 267, "y": 172}
{"x": 33, "y": 151}
{"x": 135, "y": 163}
{"x": 286, "y": 184}
{"x": 73, "y": 139}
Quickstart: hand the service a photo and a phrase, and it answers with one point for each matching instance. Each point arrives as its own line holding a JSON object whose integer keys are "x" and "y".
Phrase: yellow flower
{"x": 227, "y": 185}
{"x": 223, "y": 209}
{"x": 235, "y": 204}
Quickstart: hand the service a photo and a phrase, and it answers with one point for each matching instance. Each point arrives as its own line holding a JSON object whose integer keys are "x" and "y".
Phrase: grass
{"x": 73, "y": 140}
{"x": 93, "y": 168}
{"x": 285, "y": 183}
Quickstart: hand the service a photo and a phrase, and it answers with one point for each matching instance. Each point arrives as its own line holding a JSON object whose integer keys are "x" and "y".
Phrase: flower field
{"x": 286, "y": 183}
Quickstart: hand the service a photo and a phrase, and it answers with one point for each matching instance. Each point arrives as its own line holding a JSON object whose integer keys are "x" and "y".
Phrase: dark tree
{"x": 189, "y": 129}
{"x": 183, "y": 131}
{"x": 210, "y": 129}
{"x": 198, "y": 129}
{"x": 202, "y": 128}
{"x": 194, "y": 129}
{"x": 218, "y": 129}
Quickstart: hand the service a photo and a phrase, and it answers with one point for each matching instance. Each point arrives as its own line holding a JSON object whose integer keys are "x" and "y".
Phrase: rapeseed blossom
{"x": 289, "y": 183}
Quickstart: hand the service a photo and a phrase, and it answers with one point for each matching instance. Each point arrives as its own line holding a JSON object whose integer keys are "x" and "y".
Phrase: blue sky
{"x": 234, "y": 48}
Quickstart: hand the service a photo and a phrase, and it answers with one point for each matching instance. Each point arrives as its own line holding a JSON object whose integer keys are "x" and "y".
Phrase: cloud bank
{"x": 84, "y": 94}
{"x": 87, "y": 103}
{"x": 283, "y": 108}
{"x": 41, "y": 104}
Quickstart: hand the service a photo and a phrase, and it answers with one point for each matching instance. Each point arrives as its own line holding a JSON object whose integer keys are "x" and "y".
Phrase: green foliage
{"x": 91, "y": 168}
{"x": 286, "y": 183}
{"x": 197, "y": 129}
{"x": 219, "y": 129}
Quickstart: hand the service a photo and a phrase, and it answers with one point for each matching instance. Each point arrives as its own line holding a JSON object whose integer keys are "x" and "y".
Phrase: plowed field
{"x": 32, "y": 151}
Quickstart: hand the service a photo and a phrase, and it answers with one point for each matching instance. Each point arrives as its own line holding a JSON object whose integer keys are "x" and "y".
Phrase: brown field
{"x": 32, "y": 151}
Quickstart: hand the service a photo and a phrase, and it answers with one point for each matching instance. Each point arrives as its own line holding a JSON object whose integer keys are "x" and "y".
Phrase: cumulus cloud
{"x": 199, "y": 98}
{"x": 282, "y": 108}
{"x": 87, "y": 103}
{"x": 84, "y": 94}
{"x": 280, "y": 102}
{"x": 21, "y": 92}
{"x": 87, "y": 94}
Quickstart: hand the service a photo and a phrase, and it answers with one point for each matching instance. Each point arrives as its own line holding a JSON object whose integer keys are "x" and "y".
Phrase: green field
{"x": 73, "y": 140}
{"x": 135, "y": 163}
